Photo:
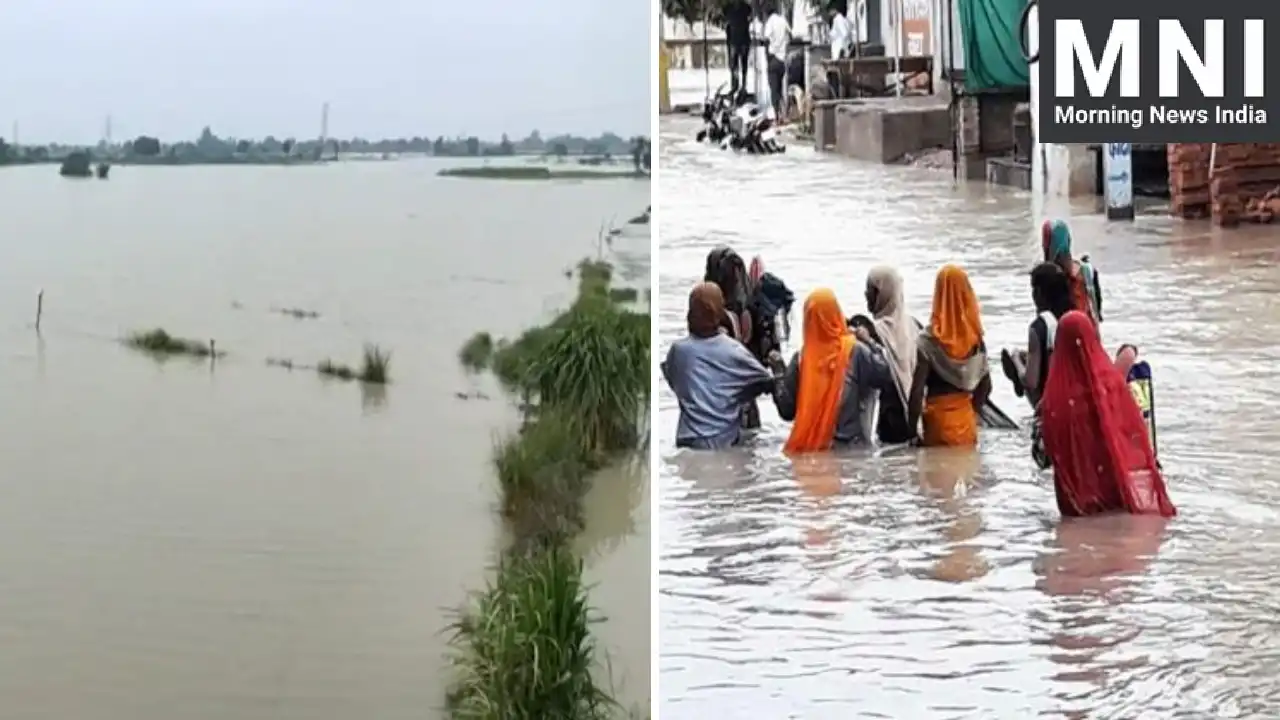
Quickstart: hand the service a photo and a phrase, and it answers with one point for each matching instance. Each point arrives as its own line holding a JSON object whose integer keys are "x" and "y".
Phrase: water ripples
{"x": 942, "y": 584}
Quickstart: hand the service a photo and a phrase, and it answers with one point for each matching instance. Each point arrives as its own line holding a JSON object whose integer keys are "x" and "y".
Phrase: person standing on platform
{"x": 737, "y": 30}
{"x": 777, "y": 36}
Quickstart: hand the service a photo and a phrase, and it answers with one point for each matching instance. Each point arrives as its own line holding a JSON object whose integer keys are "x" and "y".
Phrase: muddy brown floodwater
{"x": 250, "y": 543}
{"x": 931, "y": 585}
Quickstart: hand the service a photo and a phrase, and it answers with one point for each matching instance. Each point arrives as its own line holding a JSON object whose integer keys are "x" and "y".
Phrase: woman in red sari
{"x": 1094, "y": 433}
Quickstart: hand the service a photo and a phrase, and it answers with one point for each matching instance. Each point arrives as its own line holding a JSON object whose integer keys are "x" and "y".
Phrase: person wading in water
{"x": 712, "y": 376}
{"x": 726, "y": 269}
{"x": 952, "y": 380}
{"x": 830, "y": 387}
{"x": 1093, "y": 431}
{"x": 896, "y": 332}
{"x": 1051, "y": 293}
{"x": 1086, "y": 288}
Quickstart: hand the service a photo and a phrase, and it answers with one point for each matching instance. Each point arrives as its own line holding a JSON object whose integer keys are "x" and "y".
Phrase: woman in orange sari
{"x": 831, "y": 386}
{"x": 952, "y": 379}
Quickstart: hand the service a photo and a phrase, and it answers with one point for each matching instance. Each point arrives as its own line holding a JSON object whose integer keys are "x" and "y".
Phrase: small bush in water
{"x": 374, "y": 366}
{"x": 524, "y": 649}
{"x": 337, "y": 370}
{"x": 160, "y": 342}
{"x": 476, "y": 354}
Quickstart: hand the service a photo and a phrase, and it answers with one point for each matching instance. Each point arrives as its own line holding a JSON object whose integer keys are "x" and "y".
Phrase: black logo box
{"x": 1231, "y": 118}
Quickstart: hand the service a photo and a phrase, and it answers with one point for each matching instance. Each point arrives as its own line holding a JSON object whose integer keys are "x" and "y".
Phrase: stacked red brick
{"x": 1244, "y": 184}
{"x": 1246, "y": 181}
{"x": 1189, "y": 179}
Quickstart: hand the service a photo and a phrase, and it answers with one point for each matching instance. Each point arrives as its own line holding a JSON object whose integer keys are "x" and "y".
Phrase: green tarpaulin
{"x": 992, "y": 50}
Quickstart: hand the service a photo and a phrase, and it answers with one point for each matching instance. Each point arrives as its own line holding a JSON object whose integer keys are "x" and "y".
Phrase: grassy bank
{"x": 513, "y": 172}
{"x": 524, "y": 648}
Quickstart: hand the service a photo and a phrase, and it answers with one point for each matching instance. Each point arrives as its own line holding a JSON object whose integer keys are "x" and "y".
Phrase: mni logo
{"x": 1167, "y": 74}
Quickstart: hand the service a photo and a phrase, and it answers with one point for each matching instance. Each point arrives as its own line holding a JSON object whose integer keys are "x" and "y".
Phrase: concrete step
{"x": 1010, "y": 172}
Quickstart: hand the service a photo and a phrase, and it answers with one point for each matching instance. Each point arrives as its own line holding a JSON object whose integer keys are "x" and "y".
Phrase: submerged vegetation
{"x": 476, "y": 354}
{"x": 536, "y": 172}
{"x": 160, "y": 343}
{"x": 373, "y": 367}
{"x": 524, "y": 647}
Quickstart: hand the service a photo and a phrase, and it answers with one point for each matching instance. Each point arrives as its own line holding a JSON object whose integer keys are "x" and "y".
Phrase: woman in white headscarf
{"x": 896, "y": 332}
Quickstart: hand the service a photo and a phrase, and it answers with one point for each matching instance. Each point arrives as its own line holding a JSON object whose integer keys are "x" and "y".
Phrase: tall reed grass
{"x": 524, "y": 648}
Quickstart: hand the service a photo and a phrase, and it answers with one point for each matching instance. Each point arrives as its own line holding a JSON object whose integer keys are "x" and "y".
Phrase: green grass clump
{"x": 477, "y": 352}
{"x": 624, "y": 295}
{"x": 333, "y": 369}
{"x": 159, "y": 342}
{"x": 596, "y": 371}
{"x": 512, "y": 359}
{"x": 542, "y": 472}
{"x": 374, "y": 365}
{"x": 594, "y": 277}
{"x": 524, "y": 650}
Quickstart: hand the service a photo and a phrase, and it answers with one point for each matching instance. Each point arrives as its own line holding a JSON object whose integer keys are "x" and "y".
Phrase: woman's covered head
{"x": 884, "y": 290}
{"x": 956, "y": 321}
{"x": 706, "y": 310}
{"x": 726, "y": 269}
{"x": 1077, "y": 345}
{"x": 1055, "y": 237}
{"x": 823, "y": 319}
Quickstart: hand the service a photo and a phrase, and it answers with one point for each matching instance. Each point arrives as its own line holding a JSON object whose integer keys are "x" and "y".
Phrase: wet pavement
{"x": 936, "y": 584}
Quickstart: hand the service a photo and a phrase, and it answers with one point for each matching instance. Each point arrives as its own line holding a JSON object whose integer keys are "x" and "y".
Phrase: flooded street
{"x": 241, "y": 541}
{"x": 927, "y": 584}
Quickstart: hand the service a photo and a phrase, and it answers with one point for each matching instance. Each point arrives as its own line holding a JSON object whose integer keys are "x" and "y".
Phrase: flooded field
{"x": 235, "y": 540}
{"x": 928, "y": 585}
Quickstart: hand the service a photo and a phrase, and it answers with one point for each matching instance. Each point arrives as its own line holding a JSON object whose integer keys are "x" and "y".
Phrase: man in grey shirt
{"x": 712, "y": 375}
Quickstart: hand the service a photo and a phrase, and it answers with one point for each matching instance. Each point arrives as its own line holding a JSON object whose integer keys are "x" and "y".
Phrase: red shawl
{"x": 1093, "y": 431}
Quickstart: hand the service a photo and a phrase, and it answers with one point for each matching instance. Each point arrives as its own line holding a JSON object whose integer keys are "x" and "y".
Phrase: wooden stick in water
{"x": 39, "y": 307}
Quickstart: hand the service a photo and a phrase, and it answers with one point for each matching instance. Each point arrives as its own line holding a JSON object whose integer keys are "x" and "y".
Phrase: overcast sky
{"x": 388, "y": 68}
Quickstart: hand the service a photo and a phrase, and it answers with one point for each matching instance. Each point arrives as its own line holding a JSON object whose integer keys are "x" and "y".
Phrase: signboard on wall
{"x": 917, "y": 32}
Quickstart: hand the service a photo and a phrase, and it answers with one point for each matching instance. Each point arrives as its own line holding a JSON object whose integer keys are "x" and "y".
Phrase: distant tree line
{"x": 209, "y": 147}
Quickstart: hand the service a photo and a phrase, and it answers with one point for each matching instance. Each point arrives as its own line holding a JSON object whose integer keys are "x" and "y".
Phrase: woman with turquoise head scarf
{"x": 1086, "y": 291}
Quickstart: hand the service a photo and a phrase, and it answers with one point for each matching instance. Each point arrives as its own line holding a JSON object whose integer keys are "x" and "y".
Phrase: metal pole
{"x": 897, "y": 49}
{"x": 950, "y": 66}
{"x": 755, "y": 50}
{"x": 706, "y": 55}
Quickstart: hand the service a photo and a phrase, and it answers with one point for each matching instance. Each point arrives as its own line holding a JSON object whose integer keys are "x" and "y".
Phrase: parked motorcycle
{"x": 716, "y": 116}
{"x": 738, "y": 123}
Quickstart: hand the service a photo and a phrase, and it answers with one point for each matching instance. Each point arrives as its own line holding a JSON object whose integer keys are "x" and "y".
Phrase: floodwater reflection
{"x": 235, "y": 541}
{"x": 905, "y": 584}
